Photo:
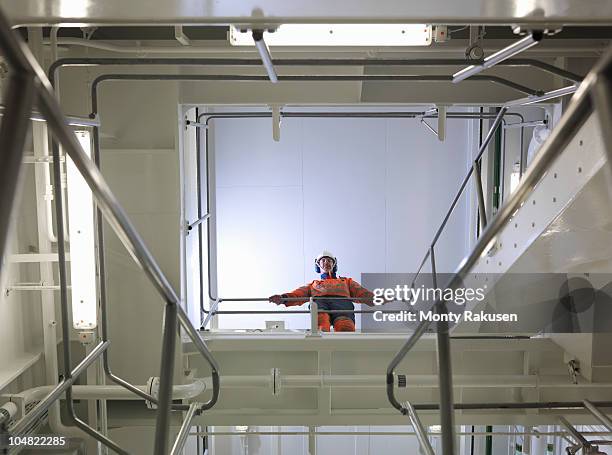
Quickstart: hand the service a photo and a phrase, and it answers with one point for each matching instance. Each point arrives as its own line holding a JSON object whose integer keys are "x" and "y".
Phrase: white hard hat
{"x": 326, "y": 254}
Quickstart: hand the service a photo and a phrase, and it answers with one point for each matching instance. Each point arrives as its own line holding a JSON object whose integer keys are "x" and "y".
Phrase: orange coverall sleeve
{"x": 364, "y": 295}
{"x": 302, "y": 291}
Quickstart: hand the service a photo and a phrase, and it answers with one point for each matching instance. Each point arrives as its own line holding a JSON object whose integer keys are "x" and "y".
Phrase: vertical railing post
{"x": 312, "y": 440}
{"x": 162, "y": 424}
{"x": 19, "y": 97}
{"x": 482, "y": 210}
{"x": 314, "y": 317}
{"x": 445, "y": 380}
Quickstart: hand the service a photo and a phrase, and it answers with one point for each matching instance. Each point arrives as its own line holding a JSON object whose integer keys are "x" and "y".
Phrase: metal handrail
{"x": 22, "y": 425}
{"x": 181, "y": 438}
{"x": 420, "y": 62}
{"x": 597, "y": 82}
{"x": 603, "y": 419}
{"x": 28, "y": 69}
{"x": 420, "y": 431}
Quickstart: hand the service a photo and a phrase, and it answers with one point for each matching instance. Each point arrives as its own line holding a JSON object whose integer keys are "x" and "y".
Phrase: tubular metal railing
{"x": 594, "y": 94}
{"x": 27, "y": 82}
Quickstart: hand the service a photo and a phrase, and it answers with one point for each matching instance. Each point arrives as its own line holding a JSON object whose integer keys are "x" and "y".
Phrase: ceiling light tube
{"x": 522, "y": 45}
{"x": 368, "y": 35}
{"x": 264, "y": 53}
{"x": 82, "y": 253}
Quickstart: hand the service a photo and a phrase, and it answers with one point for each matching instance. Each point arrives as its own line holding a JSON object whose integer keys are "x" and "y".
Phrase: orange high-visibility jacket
{"x": 330, "y": 287}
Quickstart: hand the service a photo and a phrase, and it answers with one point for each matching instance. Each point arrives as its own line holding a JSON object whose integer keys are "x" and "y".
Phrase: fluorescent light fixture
{"x": 339, "y": 35}
{"x": 82, "y": 253}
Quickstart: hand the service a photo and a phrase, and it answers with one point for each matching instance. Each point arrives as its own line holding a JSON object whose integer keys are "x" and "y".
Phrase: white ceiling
{"x": 551, "y": 12}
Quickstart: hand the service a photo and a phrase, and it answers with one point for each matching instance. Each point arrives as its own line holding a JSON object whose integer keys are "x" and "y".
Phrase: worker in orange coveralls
{"x": 330, "y": 286}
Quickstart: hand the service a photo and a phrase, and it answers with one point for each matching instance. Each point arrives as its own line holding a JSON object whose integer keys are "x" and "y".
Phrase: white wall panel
{"x": 249, "y": 157}
{"x": 146, "y": 184}
{"x": 260, "y": 234}
{"x": 344, "y": 193}
{"x": 423, "y": 176}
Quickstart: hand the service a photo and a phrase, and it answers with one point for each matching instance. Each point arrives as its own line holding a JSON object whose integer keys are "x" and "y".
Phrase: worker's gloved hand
{"x": 275, "y": 299}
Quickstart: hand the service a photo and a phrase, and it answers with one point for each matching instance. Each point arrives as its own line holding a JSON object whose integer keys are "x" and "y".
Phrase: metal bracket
{"x": 180, "y": 36}
{"x": 475, "y": 50}
{"x": 276, "y": 121}
{"x": 441, "y": 111}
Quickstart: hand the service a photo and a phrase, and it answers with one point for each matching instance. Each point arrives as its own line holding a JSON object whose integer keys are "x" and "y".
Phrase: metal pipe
{"x": 195, "y": 337}
{"x": 522, "y": 45}
{"x": 603, "y": 419}
{"x": 420, "y": 431}
{"x": 525, "y": 124}
{"x": 162, "y": 422}
{"x": 13, "y": 132}
{"x": 445, "y": 374}
{"x": 104, "y": 329}
{"x": 113, "y": 392}
{"x": 305, "y": 311}
{"x": 429, "y": 127}
{"x": 482, "y": 211}
{"x": 33, "y": 287}
{"x": 413, "y": 381}
{"x": 198, "y": 221}
{"x": 70, "y": 119}
{"x": 181, "y": 438}
{"x": 341, "y": 114}
{"x": 210, "y": 314}
{"x": 264, "y": 53}
{"x": 313, "y": 78}
{"x": 198, "y": 173}
{"x": 420, "y": 330}
{"x": 57, "y": 391}
{"x": 575, "y": 433}
{"x": 395, "y": 433}
{"x": 419, "y": 62}
{"x": 543, "y": 97}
